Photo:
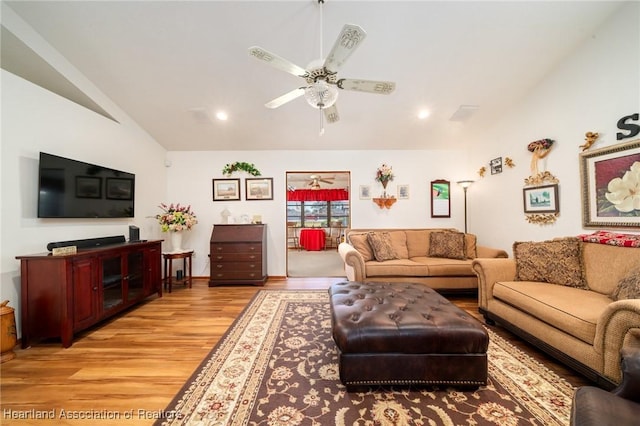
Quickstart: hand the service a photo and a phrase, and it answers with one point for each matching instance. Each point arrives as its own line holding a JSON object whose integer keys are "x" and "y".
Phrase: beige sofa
{"x": 409, "y": 258}
{"x": 579, "y": 323}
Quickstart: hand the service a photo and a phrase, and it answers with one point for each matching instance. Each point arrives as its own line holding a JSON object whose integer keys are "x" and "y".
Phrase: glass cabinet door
{"x": 135, "y": 275}
{"x": 111, "y": 282}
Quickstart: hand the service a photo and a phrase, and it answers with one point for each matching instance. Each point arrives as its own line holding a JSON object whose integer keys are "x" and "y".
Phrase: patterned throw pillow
{"x": 557, "y": 261}
{"x": 447, "y": 244}
{"x": 628, "y": 287}
{"x": 380, "y": 243}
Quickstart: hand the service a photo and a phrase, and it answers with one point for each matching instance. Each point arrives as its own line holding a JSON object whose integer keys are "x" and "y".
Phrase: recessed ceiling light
{"x": 423, "y": 113}
{"x": 222, "y": 116}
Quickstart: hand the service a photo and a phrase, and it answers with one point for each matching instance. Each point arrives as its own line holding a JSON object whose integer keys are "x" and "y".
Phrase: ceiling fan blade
{"x": 370, "y": 86}
{"x": 348, "y": 40}
{"x": 287, "y": 97}
{"x": 277, "y": 61}
{"x": 331, "y": 114}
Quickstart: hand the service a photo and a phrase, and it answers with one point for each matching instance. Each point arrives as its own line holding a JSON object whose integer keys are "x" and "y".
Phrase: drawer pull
{"x": 219, "y": 266}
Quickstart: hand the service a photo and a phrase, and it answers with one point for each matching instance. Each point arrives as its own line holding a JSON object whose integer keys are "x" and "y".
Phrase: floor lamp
{"x": 465, "y": 184}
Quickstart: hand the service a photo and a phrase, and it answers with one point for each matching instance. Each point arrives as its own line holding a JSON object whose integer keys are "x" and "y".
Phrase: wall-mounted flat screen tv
{"x": 73, "y": 189}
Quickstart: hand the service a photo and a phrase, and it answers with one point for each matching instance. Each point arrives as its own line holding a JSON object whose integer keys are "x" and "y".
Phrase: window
{"x": 318, "y": 214}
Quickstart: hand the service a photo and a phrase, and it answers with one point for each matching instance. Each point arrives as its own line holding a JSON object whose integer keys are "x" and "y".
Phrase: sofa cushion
{"x": 439, "y": 267}
{"x": 556, "y": 305}
{"x": 628, "y": 287}
{"x": 399, "y": 244}
{"x": 605, "y": 265}
{"x": 449, "y": 245}
{"x": 557, "y": 261}
{"x": 417, "y": 242}
{"x": 380, "y": 243}
{"x": 397, "y": 268}
{"x": 471, "y": 246}
{"x": 360, "y": 243}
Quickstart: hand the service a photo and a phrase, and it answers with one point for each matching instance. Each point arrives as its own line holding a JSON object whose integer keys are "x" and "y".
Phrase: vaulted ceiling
{"x": 172, "y": 65}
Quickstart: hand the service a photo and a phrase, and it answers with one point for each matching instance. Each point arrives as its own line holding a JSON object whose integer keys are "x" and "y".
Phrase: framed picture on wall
{"x": 226, "y": 189}
{"x": 541, "y": 199}
{"x": 608, "y": 177}
{"x": 365, "y": 192}
{"x": 258, "y": 188}
{"x": 403, "y": 192}
{"x": 440, "y": 198}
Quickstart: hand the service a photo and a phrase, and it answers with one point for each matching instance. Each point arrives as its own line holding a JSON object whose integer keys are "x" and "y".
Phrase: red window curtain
{"x": 317, "y": 195}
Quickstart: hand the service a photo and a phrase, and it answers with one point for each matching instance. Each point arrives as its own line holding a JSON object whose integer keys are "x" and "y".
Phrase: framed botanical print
{"x": 610, "y": 178}
{"x": 226, "y": 189}
{"x": 440, "y": 198}
{"x": 258, "y": 188}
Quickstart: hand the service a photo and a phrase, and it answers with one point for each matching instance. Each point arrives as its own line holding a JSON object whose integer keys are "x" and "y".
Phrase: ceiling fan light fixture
{"x": 320, "y": 94}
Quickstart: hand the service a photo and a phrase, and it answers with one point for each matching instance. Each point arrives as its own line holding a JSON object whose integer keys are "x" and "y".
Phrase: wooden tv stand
{"x": 63, "y": 295}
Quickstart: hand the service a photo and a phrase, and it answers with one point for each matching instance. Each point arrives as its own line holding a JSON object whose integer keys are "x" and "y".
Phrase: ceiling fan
{"x": 321, "y": 78}
{"x": 315, "y": 180}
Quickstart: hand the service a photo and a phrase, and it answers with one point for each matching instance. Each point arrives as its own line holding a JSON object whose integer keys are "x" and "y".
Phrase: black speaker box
{"x": 134, "y": 234}
{"x": 88, "y": 243}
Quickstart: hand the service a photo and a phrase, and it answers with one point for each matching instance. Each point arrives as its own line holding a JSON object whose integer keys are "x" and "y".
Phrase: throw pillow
{"x": 612, "y": 239}
{"x": 557, "y": 261}
{"x": 450, "y": 245}
{"x": 360, "y": 243}
{"x": 470, "y": 246}
{"x": 628, "y": 287}
{"x": 380, "y": 243}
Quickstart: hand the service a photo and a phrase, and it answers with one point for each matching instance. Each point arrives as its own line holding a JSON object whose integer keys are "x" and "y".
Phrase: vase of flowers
{"x": 176, "y": 219}
{"x": 384, "y": 174}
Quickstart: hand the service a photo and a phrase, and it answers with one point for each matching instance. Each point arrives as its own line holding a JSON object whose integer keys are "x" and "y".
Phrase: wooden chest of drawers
{"x": 238, "y": 255}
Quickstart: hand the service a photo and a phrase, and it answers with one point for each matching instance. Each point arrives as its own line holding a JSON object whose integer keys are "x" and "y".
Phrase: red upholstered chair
{"x": 593, "y": 406}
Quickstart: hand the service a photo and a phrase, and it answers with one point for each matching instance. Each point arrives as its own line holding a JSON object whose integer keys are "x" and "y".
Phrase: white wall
{"x": 34, "y": 120}
{"x": 589, "y": 91}
{"x": 190, "y": 182}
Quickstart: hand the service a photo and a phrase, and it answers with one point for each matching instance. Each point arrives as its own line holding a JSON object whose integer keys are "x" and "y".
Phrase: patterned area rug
{"x": 278, "y": 365}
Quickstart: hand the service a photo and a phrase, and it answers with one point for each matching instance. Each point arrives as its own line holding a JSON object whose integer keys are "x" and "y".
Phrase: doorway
{"x": 318, "y": 214}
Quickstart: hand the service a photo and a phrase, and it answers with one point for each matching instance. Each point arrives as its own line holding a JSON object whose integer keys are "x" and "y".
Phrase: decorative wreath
{"x": 239, "y": 165}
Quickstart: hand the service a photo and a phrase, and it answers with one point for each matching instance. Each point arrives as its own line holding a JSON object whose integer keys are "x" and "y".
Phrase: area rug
{"x": 278, "y": 365}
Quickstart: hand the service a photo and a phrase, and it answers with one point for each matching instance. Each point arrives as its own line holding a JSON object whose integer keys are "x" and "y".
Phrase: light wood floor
{"x": 138, "y": 361}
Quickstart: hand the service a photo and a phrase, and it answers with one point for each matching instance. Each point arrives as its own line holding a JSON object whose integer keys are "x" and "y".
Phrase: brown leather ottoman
{"x": 405, "y": 334}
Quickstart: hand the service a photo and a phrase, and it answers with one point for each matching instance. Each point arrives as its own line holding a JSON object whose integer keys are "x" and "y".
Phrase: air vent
{"x": 464, "y": 113}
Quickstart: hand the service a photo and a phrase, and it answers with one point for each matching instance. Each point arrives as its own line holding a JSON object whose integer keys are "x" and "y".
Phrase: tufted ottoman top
{"x": 378, "y": 317}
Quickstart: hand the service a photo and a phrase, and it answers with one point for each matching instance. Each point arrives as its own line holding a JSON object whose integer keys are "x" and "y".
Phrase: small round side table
{"x": 168, "y": 267}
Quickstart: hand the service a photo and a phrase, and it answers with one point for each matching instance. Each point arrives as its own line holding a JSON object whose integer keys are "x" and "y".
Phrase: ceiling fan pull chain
{"x": 321, "y": 122}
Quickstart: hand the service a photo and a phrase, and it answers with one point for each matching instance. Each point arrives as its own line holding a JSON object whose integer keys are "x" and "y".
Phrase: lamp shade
{"x": 465, "y": 183}
{"x": 320, "y": 94}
